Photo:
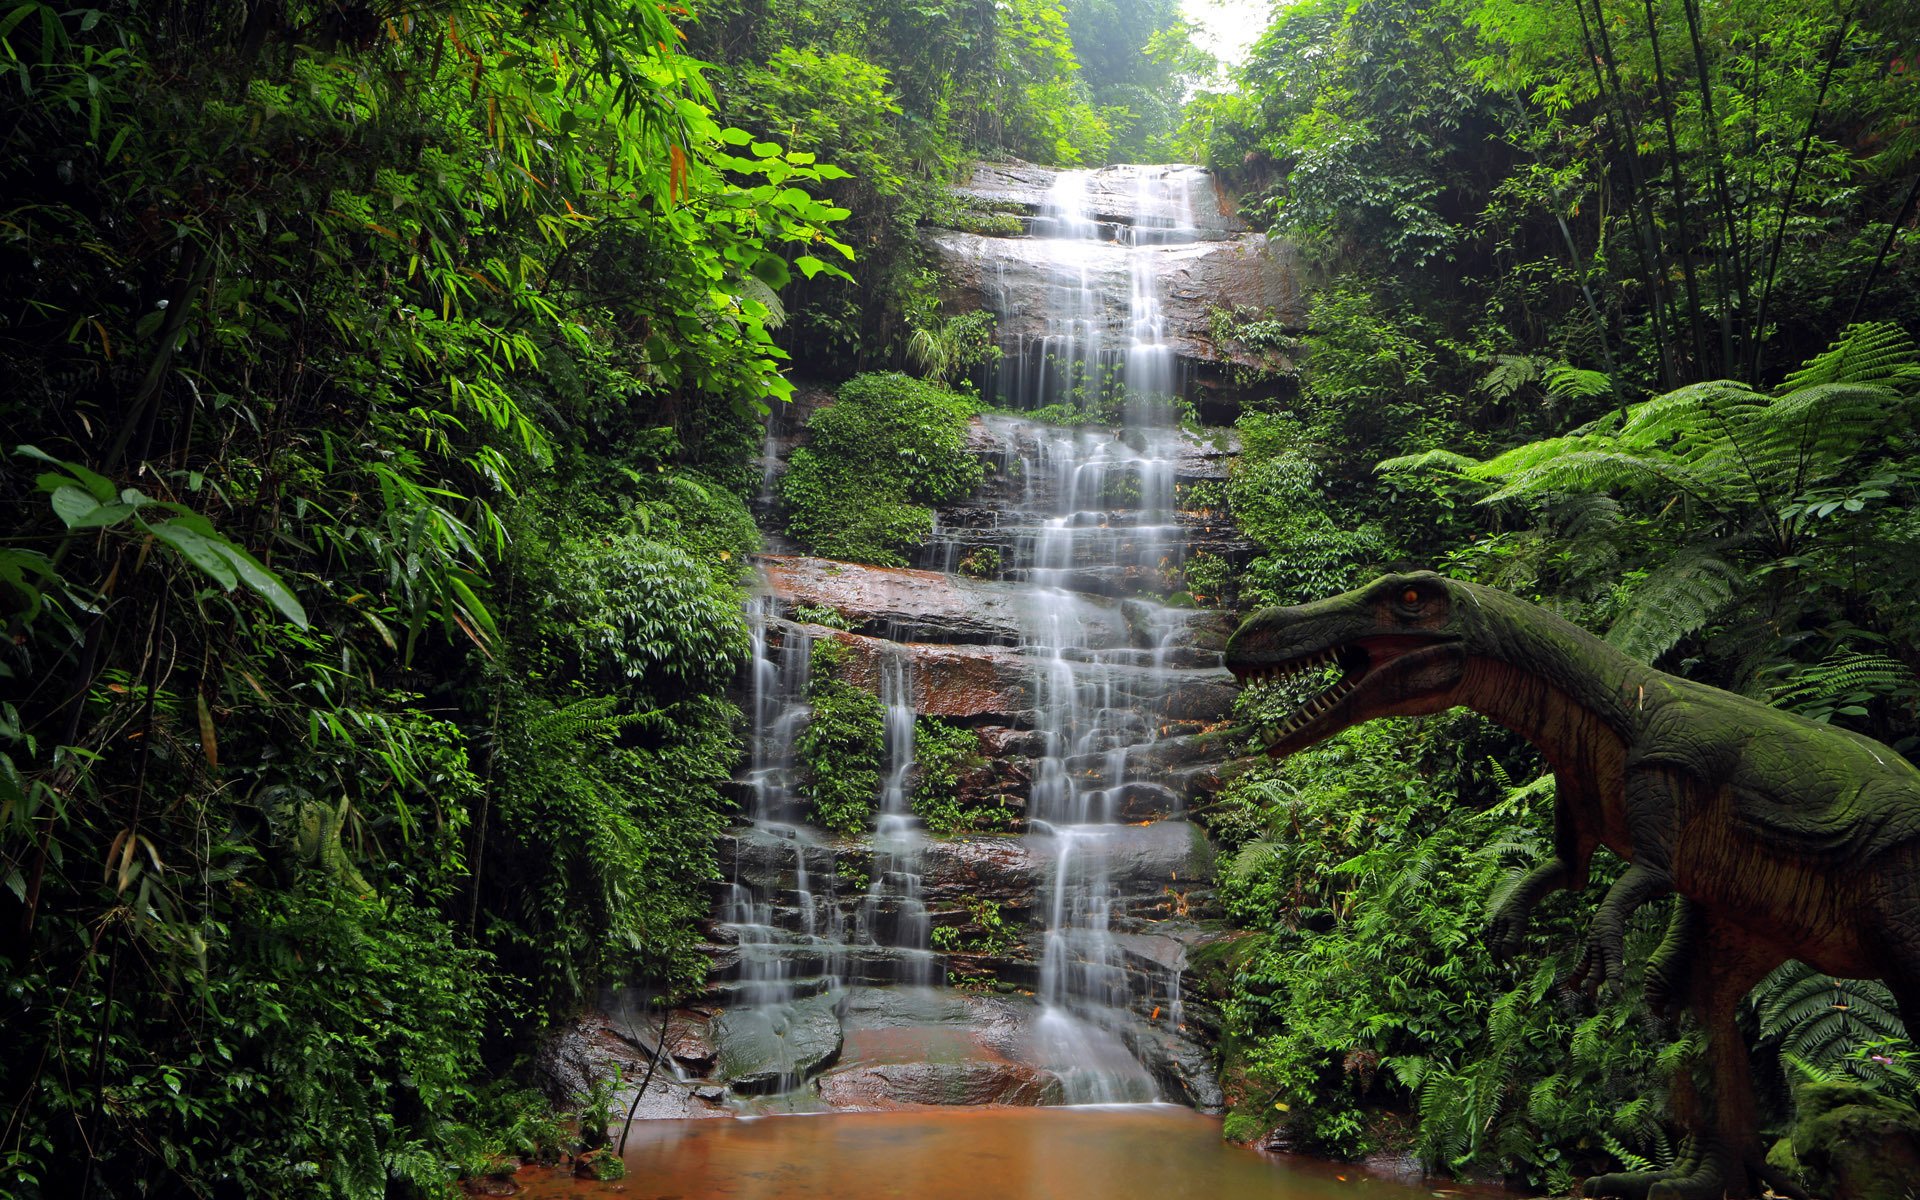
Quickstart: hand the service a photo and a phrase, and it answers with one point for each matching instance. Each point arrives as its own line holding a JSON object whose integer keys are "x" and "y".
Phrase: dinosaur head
{"x": 1399, "y": 644}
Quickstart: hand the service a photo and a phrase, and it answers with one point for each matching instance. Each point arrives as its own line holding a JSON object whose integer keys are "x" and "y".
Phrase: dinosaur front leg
{"x": 1573, "y": 846}
{"x": 1510, "y": 917}
{"x": 1604, "y": 962}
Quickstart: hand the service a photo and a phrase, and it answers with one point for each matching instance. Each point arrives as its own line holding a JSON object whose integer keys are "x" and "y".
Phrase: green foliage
{"x": 821, "y": 614}
{"x": 1672, "y": 194}
{"x": 982, "y": 562}
{"x": 376, "y": 577}
{"x": 1735, "y": 484}
{"x": 987, "y": 931}
{"x": 842, "y": 748}
{"x": 1277, "y": 496}
{"x": 644, "y": 612}
{"x": 1136, "y": 58}
{"x": 942, "y": 753}
{"x": 1371, "y": 984}
{"x": 947, "y": 348}
{"x": 885, "y": 449}
{"x": 1825, "y": 1028}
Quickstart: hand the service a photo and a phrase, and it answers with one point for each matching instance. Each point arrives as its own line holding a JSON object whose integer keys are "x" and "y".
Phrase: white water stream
{"x": 1087, "y": 538}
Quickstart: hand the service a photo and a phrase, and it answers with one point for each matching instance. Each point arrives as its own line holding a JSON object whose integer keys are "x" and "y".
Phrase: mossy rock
{"x": 602, "y": 1165}
{"x": 1855, "y": 1144}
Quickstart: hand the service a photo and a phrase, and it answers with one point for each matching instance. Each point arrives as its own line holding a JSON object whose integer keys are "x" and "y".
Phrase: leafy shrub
{"x": 604, "y": 839}
{"x": 1278, "y": 498}
{"x": 942, "y": 753}
{"x": 821, "y": 614}
{"x": 843, "y": 746}
{"x": 888, "y": 447}
{"x": 982, "y": 562}
{"x": 1371, "y": 986}
{"x": 641, "y": 612}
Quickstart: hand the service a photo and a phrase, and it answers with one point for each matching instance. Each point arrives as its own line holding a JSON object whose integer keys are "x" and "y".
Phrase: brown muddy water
{"x": 1121, "y": 1152}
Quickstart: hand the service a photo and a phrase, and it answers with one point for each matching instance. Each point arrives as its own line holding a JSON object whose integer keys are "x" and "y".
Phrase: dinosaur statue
{"x": 1781, "y": 838}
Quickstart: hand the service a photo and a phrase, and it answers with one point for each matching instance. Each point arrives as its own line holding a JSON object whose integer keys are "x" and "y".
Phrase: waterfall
{"x": 1098, "y": 509}
{"x": 1066, "y": 931}
{"x": 895, "y": 913}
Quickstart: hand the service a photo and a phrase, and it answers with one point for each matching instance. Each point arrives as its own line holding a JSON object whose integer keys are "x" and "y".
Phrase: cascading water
{"x": 1079, "y": 534}
{"x": 1101, "y": 511}
{"x": 895, "y": 913}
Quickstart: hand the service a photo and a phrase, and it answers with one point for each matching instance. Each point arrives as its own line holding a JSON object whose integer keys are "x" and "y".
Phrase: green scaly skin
{"x": 1782, "y": 838}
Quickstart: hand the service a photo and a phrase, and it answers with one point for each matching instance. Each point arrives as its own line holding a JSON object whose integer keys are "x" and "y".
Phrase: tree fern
{"x": 1565, "y": 382}
{"x": 1844, "y": 683}
{"x": 1871, "y": 352}
{"x": 1679, "y": 599}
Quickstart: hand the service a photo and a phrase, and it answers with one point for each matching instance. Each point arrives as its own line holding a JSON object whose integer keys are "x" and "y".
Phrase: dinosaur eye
{"x": 1410, "y": 596}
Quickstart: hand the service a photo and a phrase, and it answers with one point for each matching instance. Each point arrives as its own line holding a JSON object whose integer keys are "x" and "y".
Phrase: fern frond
{"x": 1253, "y": 858}
{"x": 1677, "y": 600}
{"x": 1523, "y": 458}
{"x": 1870, "y": 352}
{"x": 1628, "y": 1159}
{"x": 1820, "y": 1022}
{"x": 1845, "y": 682}
{"x": 1510, "y": 373}
{"x": 1565, "y": 382}
{"x": 1684, "y": 413}
{"x": 1603, "y": 470}
{"x": 1428, "y": 460}
{"x": 1586, "y": 516}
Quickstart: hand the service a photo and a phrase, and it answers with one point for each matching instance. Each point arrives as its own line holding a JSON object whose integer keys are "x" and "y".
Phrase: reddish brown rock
{"x": 948, "y": 681}
{"x": 881, "y": 599}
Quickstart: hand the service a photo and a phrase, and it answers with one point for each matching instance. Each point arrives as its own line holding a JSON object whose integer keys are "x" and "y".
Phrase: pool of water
{"x": 1120, "y": 1152}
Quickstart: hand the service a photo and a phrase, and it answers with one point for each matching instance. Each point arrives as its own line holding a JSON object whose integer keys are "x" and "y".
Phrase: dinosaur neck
{"x": 1572, "y": 735}
{"x": 1566, "y": 691}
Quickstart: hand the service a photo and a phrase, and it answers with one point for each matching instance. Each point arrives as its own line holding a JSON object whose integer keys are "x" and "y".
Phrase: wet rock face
{"x": 1226, "y": 269}
{"x": 889, "y": 1085}
{"x": 761, "y": 1050}
{"x": 584, "y": 1055}
{"x": 897, "y": 601}
{"x": 957, "y": 682}
{"x": 1022, "y": 188}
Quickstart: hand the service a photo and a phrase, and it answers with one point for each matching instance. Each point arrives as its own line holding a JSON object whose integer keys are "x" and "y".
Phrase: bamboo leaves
{"x": 85, "y": 500}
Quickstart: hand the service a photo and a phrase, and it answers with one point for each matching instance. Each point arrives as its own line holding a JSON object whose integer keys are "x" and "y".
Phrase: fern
{"x": 1844, "y": 683}
{"x": 1565, "y": 382}
{"x": 1602, "y": 469}
{"x": 1820, "y": 1023}
{"x": 1628, "y": 1159}
{"x": 1871, "y": 352}
{"x": 1677, "y": 600}
{"x": 1428, "y": 460}
{"x": 1510, "y": 373}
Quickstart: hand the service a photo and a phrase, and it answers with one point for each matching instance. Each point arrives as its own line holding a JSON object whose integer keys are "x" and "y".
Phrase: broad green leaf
{"x": 102, "y": 490}
{"x": 72, "y": 504}
{"x": 198, "y": 549}
{"x": 256, "y": 576}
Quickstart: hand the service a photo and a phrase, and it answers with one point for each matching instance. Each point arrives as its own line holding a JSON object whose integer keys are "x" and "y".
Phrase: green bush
{"x": 875, "y": 459}
{"x": 843, "y": 746}
{"x": 942, "y": 753}
{"x": 1371, "y": 987}
{"x": 644, "y": 613}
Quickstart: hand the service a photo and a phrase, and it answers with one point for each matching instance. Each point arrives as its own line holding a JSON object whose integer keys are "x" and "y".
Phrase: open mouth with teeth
{"x": 1340, "y": 671}
{"x": 1352, "y": 662}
